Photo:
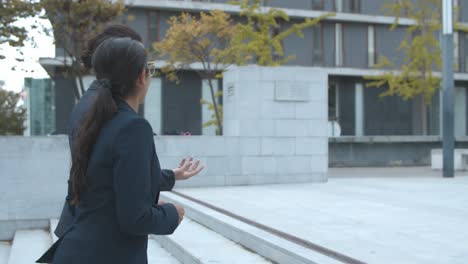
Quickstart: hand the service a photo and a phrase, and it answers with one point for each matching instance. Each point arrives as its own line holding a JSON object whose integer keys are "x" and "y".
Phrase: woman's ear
{"x": 141, "y": 81}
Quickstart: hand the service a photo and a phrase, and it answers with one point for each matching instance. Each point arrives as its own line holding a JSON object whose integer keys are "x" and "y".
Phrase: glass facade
{"x": 362, "y": 111}
{"x": 390, "y": 115}
{"x": 40, "y": 106}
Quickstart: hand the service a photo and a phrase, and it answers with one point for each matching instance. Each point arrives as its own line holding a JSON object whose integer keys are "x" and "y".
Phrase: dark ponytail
{"x": 117, "y": 63}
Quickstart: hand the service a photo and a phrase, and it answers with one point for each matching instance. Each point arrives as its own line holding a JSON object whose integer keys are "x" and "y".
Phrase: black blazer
{"x": 166, "y": 179}
{"x": 117, "y": 211}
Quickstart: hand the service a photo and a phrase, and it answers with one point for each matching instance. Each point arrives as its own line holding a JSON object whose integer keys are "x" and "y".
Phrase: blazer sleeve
{"x": 132, "y": 184}
{"x": 167, "y": 180}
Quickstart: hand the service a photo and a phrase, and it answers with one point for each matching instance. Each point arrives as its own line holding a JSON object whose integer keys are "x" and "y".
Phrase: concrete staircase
{"x": 205, "y": 236}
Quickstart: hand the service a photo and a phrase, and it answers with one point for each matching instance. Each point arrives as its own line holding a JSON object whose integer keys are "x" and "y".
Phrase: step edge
{"x": 17, "y": 233}
{"x": 259, "y": 241}
{"x": 212, "y": 239}
{"x": 52, "y": 227}
{"x": 175, "y": 249}
{"x": 8, "y": 245}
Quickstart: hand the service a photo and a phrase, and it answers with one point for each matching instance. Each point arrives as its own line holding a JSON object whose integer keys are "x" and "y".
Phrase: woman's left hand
{"x": 187, "y": 169}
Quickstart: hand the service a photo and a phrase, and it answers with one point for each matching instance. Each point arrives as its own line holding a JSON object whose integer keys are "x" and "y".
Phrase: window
{"x": 275, "y": 32}
{"x": 371, "y": 46}
{"x": 317, "y": 4}
{"x": 339, "y": 44}
{"x": 338, "y": 5}
{"x": 456, "y": 51}
{"x": 457, "y": 13}
{"x": 317, "y": 58}
{"x": 333, "y": 98}
{"x": 466, "y": 52}
{"x": 355, "y": 6}
{"x": 153, "y": 28}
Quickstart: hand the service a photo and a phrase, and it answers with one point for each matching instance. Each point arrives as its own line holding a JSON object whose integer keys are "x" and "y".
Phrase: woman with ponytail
{"x": 115, "y": 170}
{"x": 187, "y": 167}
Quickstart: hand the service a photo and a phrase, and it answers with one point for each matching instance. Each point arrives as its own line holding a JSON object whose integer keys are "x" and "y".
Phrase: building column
{"x": 359, "y": 109}
{"x": 207, "y": 113}
{"x": 338, "y": 44}
{"x": 153, "y": 105}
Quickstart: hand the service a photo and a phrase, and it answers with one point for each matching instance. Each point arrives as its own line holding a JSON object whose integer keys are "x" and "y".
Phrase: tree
{"x": 216, "y": 42}
{"x": 12, "y": 11}
{"x": 73, "y": 23}
{"x": 263, "y": 36}
{"x": 421, "y": 47}
{"x": 206, "y": 40}
{"x": 12, "y": 116}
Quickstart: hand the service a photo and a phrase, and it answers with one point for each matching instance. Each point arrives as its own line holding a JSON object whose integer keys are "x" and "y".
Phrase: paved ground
{"x": 392, "y": 216}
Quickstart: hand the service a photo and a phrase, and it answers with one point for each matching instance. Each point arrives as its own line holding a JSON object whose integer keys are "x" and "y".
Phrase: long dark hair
{"x": 117, "y": 62}
{"x": 111, "y": 31}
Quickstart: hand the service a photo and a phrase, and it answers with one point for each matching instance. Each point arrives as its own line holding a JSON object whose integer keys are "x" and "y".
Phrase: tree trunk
{"x": 215, "y": 105}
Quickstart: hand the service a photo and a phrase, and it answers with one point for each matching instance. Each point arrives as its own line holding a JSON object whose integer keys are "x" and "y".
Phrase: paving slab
{"x": 28, "y": 246}
{"x": 53, "y": 225}
{"x": 399, "y": 216}
{"x": 5, "y": 248}
{"x": 158, "y": 255}
{"x": 202, "y": 245}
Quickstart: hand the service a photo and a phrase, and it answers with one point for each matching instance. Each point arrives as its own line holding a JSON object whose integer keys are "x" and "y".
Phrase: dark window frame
{"x": 153, "y": 27}
{"x": 355, "y": 6}
{"x": 317, "y": 4}
{"x": 316, "y": 28}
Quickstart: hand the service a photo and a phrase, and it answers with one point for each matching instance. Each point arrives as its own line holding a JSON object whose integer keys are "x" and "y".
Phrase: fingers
{"x": 182, "y": 162}
{"x": 195, "y": 166}
{"x": 180, "y": 212}
{"x": 187, "y": 168}
{"x": 194, "y": 172}
{"x": 187, "y": 165}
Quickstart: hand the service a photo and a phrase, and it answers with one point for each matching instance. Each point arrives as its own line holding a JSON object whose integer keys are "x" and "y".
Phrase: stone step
{"x": 5, "y": 248}
{"x": 53, "y": 225}
{"x": 158, "y": 255}
{"x": 195, "y": 244}
{"x": 28, "y": 246}
{"x": 266, "y": 244}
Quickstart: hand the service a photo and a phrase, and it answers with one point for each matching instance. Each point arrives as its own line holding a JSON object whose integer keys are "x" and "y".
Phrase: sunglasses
{"x": 151, "y": 68}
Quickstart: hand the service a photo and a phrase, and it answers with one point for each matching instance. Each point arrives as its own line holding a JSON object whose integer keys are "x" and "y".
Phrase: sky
{"x": 45, "y": 47}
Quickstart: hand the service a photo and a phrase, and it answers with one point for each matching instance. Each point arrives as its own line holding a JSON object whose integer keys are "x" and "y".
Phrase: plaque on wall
{"x": 230, "y": 90}
{"x": 292, "y": 91}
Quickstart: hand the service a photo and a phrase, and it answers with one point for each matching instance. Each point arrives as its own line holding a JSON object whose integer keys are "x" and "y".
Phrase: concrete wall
{"x": 34, "y": 170}
{"x": 33, "y": 181}
{"x": 286, "y": 107}
{"x": 384, "y": 151}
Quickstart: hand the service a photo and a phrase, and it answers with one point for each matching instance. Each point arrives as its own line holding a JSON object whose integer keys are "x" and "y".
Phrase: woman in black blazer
{"x": 115, "y": 170}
